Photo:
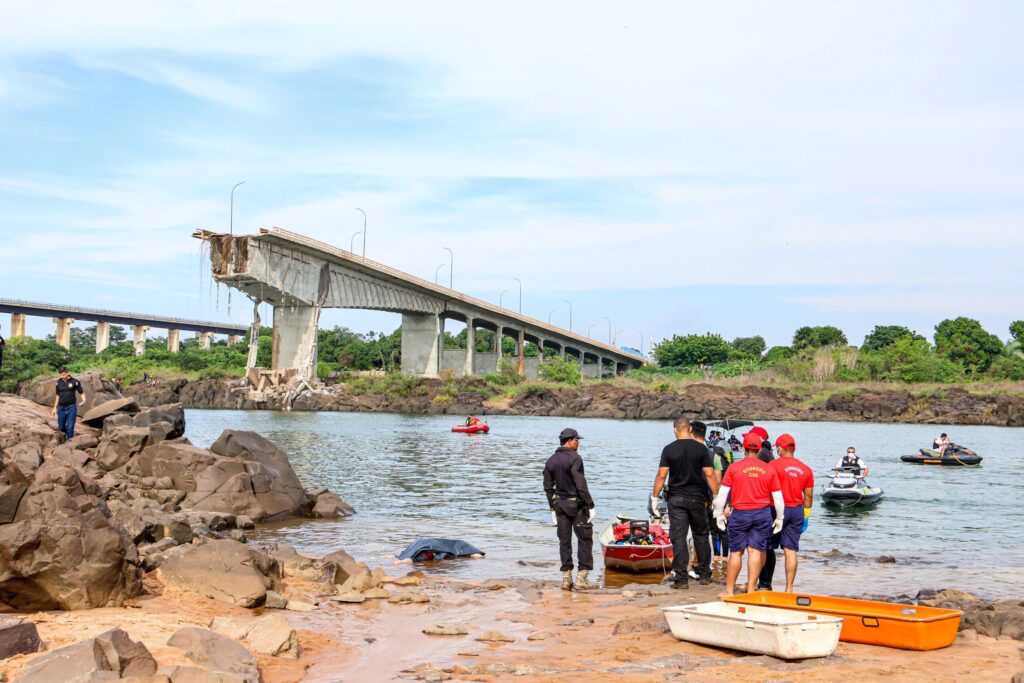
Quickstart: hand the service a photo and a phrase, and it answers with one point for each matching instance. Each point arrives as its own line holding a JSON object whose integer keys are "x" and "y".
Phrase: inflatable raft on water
{"x": 484, "y": 428}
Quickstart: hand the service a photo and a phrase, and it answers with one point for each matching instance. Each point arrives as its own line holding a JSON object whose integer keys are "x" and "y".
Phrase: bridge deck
{"x": 116, "y": 317}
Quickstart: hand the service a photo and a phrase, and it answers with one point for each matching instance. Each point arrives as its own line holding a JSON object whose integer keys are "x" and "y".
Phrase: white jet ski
{"x": 847, "y": 488}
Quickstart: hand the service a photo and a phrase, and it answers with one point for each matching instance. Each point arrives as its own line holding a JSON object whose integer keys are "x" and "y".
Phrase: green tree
{"x": 1017, "y": 331}
{"x": 817, "y": 337}
{"x": 777, "y": 354}
{"x": 692, "y": 349}
{"x": 886, "y": 335}
{"x": 26, "y": 358}
{"x": 965, "y": 341}
{"x": 562, "y": 370}
{"x": 912, "y": 359}
{"x": 754, "y": 346}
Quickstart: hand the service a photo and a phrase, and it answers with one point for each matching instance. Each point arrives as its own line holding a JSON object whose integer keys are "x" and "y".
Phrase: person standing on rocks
{"x": 754, "y": 488}
{"x": 686, "y": 464}
{"x": 65, "y": 406}
{"x": 572, "y": 509}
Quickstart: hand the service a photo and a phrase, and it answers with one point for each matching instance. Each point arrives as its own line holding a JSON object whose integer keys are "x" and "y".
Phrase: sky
{"x": 664, "y": 167}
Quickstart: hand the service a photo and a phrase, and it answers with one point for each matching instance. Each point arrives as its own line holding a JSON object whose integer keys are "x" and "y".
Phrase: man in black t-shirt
{"x": 686, "y": 463}
{"x": 65, "y": 405}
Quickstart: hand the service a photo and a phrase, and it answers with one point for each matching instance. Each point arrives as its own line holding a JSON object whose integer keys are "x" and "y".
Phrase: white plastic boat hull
{"x": 769, "y": 631}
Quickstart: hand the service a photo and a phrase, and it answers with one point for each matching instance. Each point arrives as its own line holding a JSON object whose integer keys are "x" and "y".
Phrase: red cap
{"x": 752, "y": 441}
{"x": 785, "y": 441}
{"x": 760, "y": 431}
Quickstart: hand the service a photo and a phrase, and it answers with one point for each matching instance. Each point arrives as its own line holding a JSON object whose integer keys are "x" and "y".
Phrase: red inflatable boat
{"x": 634, "y": 545}
{"x": 482, "y": 427}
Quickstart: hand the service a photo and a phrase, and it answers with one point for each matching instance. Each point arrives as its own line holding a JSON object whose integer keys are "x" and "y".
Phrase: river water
{"x": 409, "y": 476}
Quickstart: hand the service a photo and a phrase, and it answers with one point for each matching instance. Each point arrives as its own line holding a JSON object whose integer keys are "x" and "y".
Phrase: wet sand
{"x": 611, "y": 635}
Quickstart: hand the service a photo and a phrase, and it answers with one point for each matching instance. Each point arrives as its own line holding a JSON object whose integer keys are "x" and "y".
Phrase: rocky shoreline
{"x": 125, "y": 555}
{"x": 952, "y": 406}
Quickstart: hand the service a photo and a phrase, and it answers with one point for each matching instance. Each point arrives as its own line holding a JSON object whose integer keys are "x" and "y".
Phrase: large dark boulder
{"x": 18, "y": 637}
{"x": 224, "y": 570}
{"x": 62, "y": 550}
{"x": 101, "y": 397}
{"x": 243, "y": 474}
{"x": 22, "y": 422}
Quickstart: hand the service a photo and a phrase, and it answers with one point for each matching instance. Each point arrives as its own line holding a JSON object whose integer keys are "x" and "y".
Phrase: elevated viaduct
{"x": 300, "y": 276}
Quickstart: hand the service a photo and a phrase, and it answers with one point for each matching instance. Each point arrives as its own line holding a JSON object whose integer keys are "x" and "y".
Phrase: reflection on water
{"x": 409, "y": 477}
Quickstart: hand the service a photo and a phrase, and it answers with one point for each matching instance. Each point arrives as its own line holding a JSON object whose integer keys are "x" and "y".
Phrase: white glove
{"x": 554, "y": 519}
{"x": 720, "y": 520}
{"x": 655, "y": 506}
{"x": 591, "y": 515}
{"x": 777, "y": 525}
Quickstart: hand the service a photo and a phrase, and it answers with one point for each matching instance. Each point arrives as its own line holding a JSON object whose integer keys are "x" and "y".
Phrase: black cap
{"x": 569, "y": 433}
{"x": 63, "y": 369}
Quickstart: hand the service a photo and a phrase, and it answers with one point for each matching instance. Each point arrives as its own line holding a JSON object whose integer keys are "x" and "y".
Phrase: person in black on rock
{"x": 572, "y": 509}
{"x": 686, "y": 464}
{"x": 65, "y": 405}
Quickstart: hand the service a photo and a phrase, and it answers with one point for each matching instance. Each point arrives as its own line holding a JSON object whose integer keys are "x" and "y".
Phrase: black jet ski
{"x": 848, "y": 488}
{"x": 954, "y": 456}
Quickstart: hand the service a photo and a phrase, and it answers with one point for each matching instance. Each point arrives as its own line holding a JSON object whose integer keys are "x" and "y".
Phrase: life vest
{"x": 852, "y": 461}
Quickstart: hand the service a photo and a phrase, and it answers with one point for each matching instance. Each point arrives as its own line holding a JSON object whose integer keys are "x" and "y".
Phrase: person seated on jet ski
{"x": 472, "y": 421}
{"x": 853, "y": 463}
{"x": 734, "y": 443}
{"x": 941, "y": 444}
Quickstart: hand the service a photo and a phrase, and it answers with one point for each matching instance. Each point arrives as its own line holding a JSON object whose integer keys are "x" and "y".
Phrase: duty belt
{"x": 565, "y": 497}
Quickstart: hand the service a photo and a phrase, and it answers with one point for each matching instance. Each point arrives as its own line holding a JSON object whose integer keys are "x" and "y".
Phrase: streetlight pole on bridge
{"x": 231, "y": 219}
{"x": 451, "y": 267}
{"x": 364, "y": 230}
{"x": 609, "y": 329}
{"x": 549, "y": 314}
{"x": 437, "y": 272}
{"x": 501, "y": 296}
{"x": 570, "y": 313}
{"x": 520, "y": 293}
{"x": 352, "y": 242}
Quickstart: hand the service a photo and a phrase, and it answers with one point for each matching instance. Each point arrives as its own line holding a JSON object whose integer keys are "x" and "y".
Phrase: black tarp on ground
{"x": 425, "y": 549}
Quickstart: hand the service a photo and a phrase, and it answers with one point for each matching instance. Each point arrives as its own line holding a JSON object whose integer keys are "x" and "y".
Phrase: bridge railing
{"x": 45, "y": 309}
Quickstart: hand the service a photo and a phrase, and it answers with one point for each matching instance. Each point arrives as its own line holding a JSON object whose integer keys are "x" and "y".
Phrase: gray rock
{"x": 329, "y": 505}
{"x": 495, "y": 637}
{"x": 112, "y": 654}
{"x": 190, "y": 674}
{"x": 275, "y": 483}
{"x": 273, "y": 635}
{"x": 62, "y": 550}
{"x": 18, "y": 637}
{"x": 275, "y": 600}
{"x": 216, "y": 652}
{"x": 243, "y": 522}
{"x": 446, "y": 630}
{"x": 224, "y": 570}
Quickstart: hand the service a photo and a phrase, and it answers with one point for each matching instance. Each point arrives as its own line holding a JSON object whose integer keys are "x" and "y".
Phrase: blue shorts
{"x": 792, "y": 527}
{"x": 750, "y": 529}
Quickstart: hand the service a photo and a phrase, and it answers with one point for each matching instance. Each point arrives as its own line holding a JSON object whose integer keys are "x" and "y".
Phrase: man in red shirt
{"x": 797, "y": 482}
{"x": 754, "y": 487}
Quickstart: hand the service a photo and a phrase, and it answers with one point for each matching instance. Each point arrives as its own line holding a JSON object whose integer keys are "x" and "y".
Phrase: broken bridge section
{"x": 300, "y": 276}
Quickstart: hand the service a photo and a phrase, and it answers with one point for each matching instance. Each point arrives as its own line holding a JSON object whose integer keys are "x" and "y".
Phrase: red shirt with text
{"x": 752, "y": 483}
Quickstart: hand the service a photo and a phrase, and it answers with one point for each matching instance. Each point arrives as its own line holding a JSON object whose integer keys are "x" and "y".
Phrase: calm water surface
{"x": 409, "y": 477}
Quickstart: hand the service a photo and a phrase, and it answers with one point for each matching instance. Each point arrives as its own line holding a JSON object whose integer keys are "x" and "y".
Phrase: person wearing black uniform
{"x": 65, "y": 405}
{"x": 686, "y": 463}
{"x": 572, "y": 509}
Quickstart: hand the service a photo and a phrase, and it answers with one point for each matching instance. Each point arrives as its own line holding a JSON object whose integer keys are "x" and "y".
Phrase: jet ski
{"x": 847, "y": 488}
{"x": 954, "y": 456}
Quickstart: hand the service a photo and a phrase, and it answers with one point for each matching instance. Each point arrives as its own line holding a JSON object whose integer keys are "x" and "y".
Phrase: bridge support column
{"x": 421, "y": 343}
{"x": 64, "y": 331}
{"x": 173, "y": 340}
{"x": 294, "y": 337}
{"x": 470, "y": 347}
{"x": 17, "y": 325}
{"x": 102, "y": 336}
{"x": 204, "y": 339}
{"x": 139, "y": 332}
{"x": 233, "y": 339}
{"x": 521, "y": 352}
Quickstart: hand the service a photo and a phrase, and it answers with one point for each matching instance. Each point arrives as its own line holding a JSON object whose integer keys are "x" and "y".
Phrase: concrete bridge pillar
{"x": 470, "y": 347}
{"x": 294, "y": 337}
{"x": 497, "y": 343}
{"x": 102, "y": 336}
{"x": 64, "y": 331}
{"x": 521, "y": 352}
{"x": 233, "y": 339}
{"x": 420, "y": 344}
{"x": 139, "y": 332}
{"x": 17, "y": 325}
{"x": 204, "y": 339}
{"x": 173, "y": 340}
